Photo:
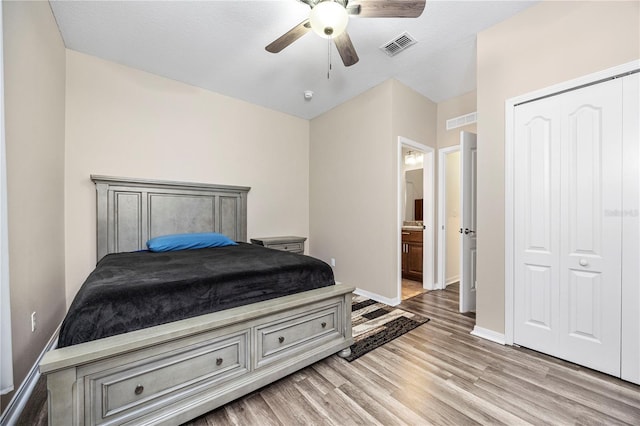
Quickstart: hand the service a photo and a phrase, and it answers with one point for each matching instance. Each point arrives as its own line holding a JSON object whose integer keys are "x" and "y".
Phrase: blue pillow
{"x": 189, "y": 241}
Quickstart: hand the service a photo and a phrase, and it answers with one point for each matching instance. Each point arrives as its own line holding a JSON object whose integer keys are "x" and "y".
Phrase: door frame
{"x": 428, "y": 256}
{"x": 509, "y": 231}
{"x": 442, "y": 214}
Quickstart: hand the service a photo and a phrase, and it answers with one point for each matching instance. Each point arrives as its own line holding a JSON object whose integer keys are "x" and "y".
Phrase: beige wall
{"x": 34, "y": 66}
{"x": 455, "y": 107}
{"x": 413, "y": 116}
{"x": 353, "y": 182}
{"x": 547, "y": 44}
{"x": 125, "y": 122}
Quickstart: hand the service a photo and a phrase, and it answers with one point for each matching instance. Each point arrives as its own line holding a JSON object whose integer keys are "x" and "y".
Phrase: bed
{"x": 185, "y": 364}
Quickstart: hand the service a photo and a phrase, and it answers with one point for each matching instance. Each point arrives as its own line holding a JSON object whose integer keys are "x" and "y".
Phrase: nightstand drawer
{"x": 290, "y": 243}
{"x": 295, "y": 247}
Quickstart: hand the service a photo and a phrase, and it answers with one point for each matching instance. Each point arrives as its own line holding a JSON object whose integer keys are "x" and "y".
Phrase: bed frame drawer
{"x": 289, "y": 335}
{"x": 176, "y": 364}
{"x": 117, "y": 392}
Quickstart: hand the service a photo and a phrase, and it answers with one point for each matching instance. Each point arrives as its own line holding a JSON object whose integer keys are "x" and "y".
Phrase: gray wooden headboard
{"x": 131, "y": 211}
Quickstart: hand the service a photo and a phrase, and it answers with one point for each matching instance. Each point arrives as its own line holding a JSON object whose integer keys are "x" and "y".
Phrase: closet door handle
{"x": 583, "y": 262}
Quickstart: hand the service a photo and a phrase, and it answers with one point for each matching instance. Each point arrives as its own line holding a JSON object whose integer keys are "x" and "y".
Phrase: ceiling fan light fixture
{"x": 329, "y": 19}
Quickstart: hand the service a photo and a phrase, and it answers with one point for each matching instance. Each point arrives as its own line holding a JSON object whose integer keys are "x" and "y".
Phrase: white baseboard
{"x": 391, "y": 302}
{"x": 488, "y": 335}
{"x": 452, "y": 280}
{"x": 11, "y": 415}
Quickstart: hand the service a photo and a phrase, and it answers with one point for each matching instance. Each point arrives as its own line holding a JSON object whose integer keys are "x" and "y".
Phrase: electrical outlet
{"x": 33, "y": 322}
{"x": 333, "y": 262}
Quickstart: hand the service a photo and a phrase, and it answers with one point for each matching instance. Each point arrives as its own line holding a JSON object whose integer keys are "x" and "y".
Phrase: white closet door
{"x": 590, "y": 230}
{"x": 537, "y": 224}
{"x": 567, "y": 248}
{"x": 631, "y": 230}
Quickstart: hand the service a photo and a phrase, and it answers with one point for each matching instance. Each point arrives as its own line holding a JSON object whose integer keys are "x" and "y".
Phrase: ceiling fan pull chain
{"x": 328, "y": 57}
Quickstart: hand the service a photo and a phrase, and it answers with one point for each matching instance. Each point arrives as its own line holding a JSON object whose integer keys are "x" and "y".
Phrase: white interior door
{"x": 468, "y": 160}
{"x": 631, "y": 229}
{"x": 568, "y": 186}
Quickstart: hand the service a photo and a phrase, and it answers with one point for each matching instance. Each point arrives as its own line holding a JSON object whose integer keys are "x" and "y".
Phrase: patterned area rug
{"x": 375, "y": 324}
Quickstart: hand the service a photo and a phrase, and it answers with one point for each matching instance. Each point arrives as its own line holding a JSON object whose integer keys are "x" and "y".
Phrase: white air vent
{"x": 463, "y": 120}
{"x": 398, "y": 44}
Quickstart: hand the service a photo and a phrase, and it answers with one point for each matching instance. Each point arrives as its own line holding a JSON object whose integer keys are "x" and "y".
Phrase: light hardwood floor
{"x": 411, "y": 288}
{"x": 436, "y": 374}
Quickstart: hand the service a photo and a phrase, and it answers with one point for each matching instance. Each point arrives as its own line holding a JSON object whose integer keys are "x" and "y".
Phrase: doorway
{"x": 457, "y": 219}
{"x": 468, "y": 227}
{"x": 416, "y": 213}
{"x": 448, "y": 216}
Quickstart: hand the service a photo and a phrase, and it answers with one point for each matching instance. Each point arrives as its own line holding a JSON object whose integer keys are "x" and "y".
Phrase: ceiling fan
{"x": 329, "y": 18}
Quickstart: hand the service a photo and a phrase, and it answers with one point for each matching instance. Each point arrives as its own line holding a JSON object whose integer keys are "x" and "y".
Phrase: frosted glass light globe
{"x": 328, "y": 19}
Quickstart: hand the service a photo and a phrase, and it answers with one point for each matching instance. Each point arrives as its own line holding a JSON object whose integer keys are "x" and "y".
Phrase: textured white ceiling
{"x": 219, "y": 45}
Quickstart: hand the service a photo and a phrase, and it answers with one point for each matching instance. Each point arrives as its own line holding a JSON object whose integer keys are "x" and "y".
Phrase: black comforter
{"x": 131, "y": 291}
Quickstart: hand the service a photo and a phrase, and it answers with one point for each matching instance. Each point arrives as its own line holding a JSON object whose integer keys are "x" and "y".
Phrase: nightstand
{"x": 292, "y": 244}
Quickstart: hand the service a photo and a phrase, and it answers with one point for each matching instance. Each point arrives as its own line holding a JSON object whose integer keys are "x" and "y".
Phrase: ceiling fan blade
{"x": 346, "y": 49}
{"x": 386, "y": 8}
{"x": 289, "y": 37}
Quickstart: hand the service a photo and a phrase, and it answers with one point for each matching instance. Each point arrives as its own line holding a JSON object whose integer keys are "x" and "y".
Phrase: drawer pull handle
{"x": 280, "y": 339}
{"x": 139, "y": 390}
{"x": 324, "y": 324}
{"x": 218, "y": 361}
